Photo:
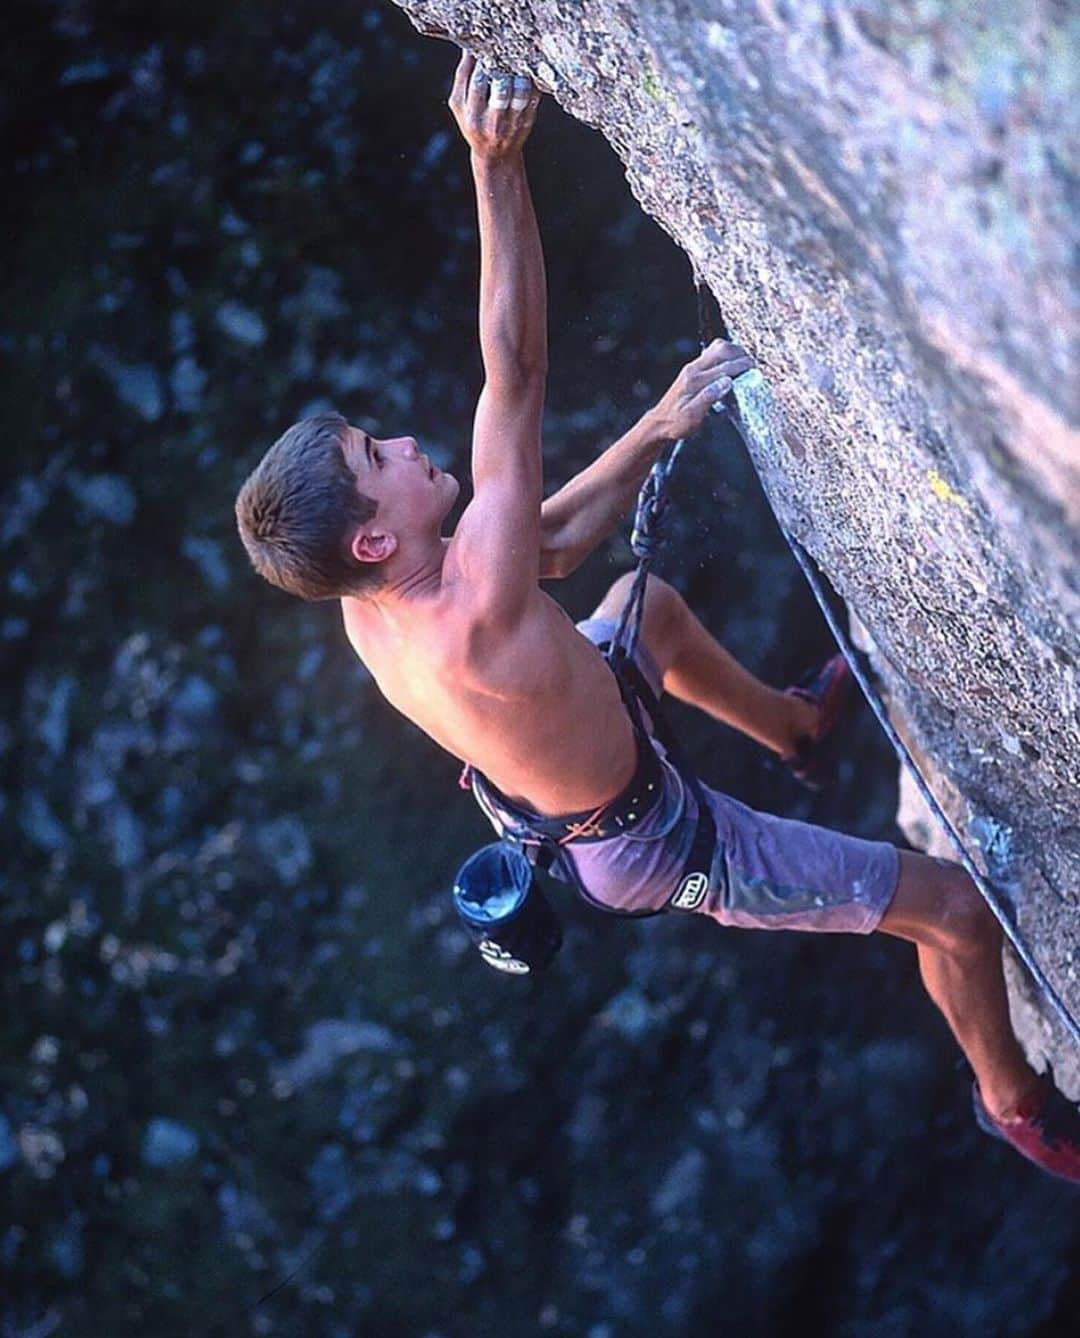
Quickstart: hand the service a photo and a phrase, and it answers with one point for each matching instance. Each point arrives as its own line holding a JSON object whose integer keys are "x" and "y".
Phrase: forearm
{"x": 513, "y": 293}
{"x": 594, "y": 503}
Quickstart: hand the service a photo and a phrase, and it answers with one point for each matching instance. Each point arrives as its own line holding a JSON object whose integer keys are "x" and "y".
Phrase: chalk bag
{"x": 504, "y": 910}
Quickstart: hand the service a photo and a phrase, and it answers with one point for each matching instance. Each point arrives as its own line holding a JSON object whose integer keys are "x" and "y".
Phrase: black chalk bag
{"x": 504, "y": 910}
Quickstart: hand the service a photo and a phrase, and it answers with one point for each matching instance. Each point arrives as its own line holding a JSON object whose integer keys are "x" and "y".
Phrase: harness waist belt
{"x": 622, "y": 814}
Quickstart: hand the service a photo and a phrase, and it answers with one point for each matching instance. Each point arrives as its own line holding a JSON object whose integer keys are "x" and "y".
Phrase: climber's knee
{"x": 938, "y": 905}
{"x": 664, "y": 613}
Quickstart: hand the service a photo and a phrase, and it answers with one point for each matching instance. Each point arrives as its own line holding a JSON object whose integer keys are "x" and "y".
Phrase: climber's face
{"x": 413, "y": 496}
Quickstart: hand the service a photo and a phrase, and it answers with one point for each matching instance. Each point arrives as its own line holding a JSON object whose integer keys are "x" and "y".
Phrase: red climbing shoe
{"x": 828, "y": 687}
{"x": 1046, "y": 1130}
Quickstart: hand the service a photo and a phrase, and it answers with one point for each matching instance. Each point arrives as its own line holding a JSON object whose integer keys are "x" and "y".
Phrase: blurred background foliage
{"x": 240, "y": 1024}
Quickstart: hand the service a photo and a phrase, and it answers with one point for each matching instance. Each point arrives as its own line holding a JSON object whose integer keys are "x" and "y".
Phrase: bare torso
{"x": 538, "y": 710}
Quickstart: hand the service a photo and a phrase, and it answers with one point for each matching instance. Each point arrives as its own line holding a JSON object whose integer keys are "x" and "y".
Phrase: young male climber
{"x": 460, "y": 637}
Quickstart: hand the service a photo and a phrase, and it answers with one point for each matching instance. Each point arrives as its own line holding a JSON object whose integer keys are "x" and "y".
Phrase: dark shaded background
{"x": 240, "y": 1023}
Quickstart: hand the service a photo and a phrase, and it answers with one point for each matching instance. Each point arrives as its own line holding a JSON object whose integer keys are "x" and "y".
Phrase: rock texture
{"x": 878, "y": 196}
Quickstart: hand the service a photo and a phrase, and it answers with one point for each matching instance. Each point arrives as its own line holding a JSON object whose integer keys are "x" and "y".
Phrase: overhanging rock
{"x": 878, "y": 196}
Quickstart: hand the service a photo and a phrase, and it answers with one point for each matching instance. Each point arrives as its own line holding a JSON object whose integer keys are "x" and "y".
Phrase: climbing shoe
{"x": 1046, "y": 1130}
{"x": 828, "y": 687}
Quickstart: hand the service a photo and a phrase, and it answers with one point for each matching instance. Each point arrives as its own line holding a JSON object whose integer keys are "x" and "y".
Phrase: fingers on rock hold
{"x": 480, "y": 81}
{"x": 461, "y": 76}
{"x": 501, "y": 86}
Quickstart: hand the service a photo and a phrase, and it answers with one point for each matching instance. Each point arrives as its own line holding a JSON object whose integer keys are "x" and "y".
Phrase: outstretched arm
{"x": 494, "y": 553}
{"x": 592, "y": 505}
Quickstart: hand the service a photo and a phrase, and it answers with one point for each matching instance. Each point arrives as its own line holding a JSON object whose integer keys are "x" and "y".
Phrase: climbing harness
{"x": 495, "y": 893}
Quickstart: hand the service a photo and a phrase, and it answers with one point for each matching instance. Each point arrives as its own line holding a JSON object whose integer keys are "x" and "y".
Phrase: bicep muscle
{"x": 496, "y": 547}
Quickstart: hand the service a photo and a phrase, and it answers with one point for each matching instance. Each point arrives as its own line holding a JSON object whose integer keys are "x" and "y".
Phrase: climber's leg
{"x": 938, "y": 907}
{"x": 696, "y": 669}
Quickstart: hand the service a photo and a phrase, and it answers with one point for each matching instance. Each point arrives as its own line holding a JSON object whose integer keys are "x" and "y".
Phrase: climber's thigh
{"x": 663, "y": 620}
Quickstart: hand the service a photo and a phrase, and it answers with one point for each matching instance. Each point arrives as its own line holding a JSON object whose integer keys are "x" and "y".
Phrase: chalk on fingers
{"x": 500, "y": 92}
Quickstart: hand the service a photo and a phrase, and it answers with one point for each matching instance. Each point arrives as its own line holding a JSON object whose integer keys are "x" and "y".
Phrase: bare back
{"x": 537, "y": 709}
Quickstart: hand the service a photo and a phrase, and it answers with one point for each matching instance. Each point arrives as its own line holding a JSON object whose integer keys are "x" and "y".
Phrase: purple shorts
{"x": 766, "y": 872}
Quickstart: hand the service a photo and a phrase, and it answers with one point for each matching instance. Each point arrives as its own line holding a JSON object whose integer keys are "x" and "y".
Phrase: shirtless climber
{"x": 461, "y": 639}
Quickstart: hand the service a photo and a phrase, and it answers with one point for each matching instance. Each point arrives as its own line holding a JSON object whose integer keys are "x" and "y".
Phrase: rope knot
{"x": 645, "y": 544}
{"x": 650, "y": 517}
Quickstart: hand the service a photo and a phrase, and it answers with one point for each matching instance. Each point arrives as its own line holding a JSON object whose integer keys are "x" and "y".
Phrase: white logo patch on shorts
{"x": 691, "y": 892}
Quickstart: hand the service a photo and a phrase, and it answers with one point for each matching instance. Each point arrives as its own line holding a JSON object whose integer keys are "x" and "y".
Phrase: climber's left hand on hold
{"x": 494, "y": 110}
{"x": 701, "y": 383}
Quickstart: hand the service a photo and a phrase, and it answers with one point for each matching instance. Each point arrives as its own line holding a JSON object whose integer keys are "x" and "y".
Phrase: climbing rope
{"x": 648, "y": 533}
{"x": 754, "y": 412}
{"x": 646, "y": 538}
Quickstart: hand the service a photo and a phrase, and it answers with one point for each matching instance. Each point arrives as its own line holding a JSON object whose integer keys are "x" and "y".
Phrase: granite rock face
{"x": 878, "y": 197}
